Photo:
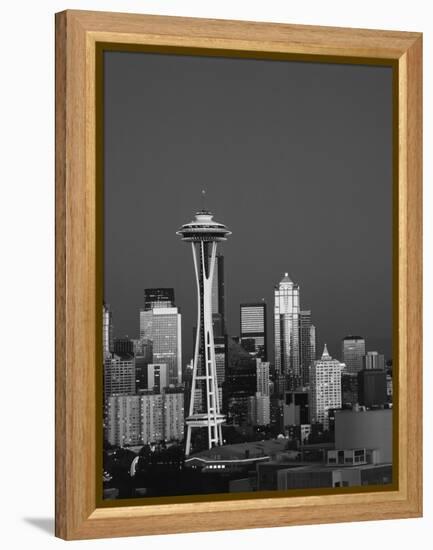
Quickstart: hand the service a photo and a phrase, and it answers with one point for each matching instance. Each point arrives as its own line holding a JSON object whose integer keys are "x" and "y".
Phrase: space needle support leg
{"x": 196, "y": 352}
{"x": 207, "y": 344}
{"x": 214, "y": 408}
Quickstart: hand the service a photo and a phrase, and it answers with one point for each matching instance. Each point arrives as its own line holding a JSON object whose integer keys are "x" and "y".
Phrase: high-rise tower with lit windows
{"x": 353, "y": 352}
{"x": 204, "y": 234}
{"x": 253, "y": 329}
{"x": 325, "y": 388}
{"x": 286, "y": 327}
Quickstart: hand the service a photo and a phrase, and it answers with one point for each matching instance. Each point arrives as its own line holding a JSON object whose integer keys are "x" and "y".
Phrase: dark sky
{"x": 296, "y": 159}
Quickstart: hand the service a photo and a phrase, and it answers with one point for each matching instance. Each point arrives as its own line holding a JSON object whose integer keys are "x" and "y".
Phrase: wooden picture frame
{"x": 78, "y": 36}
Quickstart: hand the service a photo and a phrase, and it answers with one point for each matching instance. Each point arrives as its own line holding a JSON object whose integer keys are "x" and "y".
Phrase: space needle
{"x": 204, "y": 234}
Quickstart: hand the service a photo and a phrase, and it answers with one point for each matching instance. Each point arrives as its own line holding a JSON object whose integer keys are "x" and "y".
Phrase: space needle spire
{"x": 204, "y": 233}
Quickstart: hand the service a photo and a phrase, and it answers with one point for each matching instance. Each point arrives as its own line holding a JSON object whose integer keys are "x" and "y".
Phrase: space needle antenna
{"x": 203, "y": 198}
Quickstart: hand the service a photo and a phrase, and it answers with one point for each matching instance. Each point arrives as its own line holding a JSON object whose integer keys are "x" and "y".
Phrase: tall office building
{"x": 262, "y": 370}
{"x": 204, "y": 234}
{"x": 218, "y": 298}
{"x": 240, "y": 383}
{"x": 374, "y": 360}
{"x": 141, "y": 374}
{"x": 163, "y": 326}
{"x": 296, "y": 410}
{"x": 107, "y": 330}
{"x": 158, "y": 297}
{"x": 259, "y": 410}
{"x": 259, "y": 405}
{"x": 307, "y": 347}
{"x": 143, "y": 357}
{"x": 253, "y": 327}
{"x": 352, "y": 353}
{"x": 389, "y": 388}
{"x": 119, "y": 375}
{"x": 286, "y": 327}
{"x": 349, "y": 389}
{"x": 372, "y": 388}
{"x": 325, "y": 388}
{"x": 123, "y": 346}
{"x": 157, "y": 377}
{"x": 221, "y": 358}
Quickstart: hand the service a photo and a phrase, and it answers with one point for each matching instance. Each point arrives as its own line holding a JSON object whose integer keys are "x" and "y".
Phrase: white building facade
{"x": 286, "y": 327}
{"x": 325, "y": 388}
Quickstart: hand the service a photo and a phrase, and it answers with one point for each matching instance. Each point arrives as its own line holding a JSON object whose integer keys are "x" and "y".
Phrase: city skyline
{"x": 376, "y": 342}
{"x": 352, "y": 349}
{"x": 287, "y": 213}
{"x": 228, "y": 373}
{"x": 269, "y": 334}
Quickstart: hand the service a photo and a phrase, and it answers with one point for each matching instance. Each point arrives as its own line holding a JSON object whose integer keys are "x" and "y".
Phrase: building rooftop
{"x": 325, "y": 354}
{"x": 286, "y": 279}
{"x": 363, "y": 410}
{"x": 318, "y": 466}
{"x": 239, "y": 451}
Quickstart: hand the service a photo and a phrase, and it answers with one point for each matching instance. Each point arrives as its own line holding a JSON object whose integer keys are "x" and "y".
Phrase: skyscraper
{"x": 107, "y": 330}
{"x": 218, "y": 297}
{"x": 119, "y": 375}
{"x": 262, "y": 370}
{"x": 325, "y": 388}
{"x": 143, "y": 357}
{"x": 157, "y": 376}
{"x": 163, "y": 326}
{"x": 349, "y": 389}
{"x": 221, "y": 358}
{"x": 259, "y": 408}
{"x": 307, "y": 347}
{"x": 374, "y": 360}
{"x": 158, "y": 297}
{"x": 253, "y": 327}
{"x": 123, "y": 346}
{"x": 352, "y": 353}
{"x": 204, "y": 233}
{"x": 372, "y": 390}
{"x": 240, "y": 383}
{"x": 286, "y": 327}
{"x": 296, "y": 410}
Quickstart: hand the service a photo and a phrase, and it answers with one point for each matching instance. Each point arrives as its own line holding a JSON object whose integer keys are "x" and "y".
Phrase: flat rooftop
{"x": 316, "y": 466}
{"x": 238, "y": 451}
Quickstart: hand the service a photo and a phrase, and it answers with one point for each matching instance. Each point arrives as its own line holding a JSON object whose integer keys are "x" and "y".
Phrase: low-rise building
{"x": 146, "y": 418}
{"x": 365, "y": 429}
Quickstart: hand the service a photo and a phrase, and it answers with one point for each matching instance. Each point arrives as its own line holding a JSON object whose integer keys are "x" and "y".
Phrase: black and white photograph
{"x": 247, "y": 311}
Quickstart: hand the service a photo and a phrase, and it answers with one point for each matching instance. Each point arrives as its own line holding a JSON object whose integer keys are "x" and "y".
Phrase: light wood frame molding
{"x": 77, "y": 34}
